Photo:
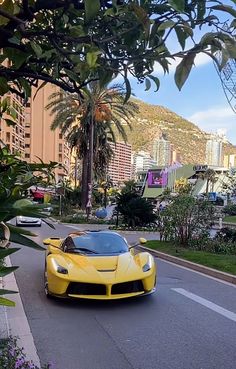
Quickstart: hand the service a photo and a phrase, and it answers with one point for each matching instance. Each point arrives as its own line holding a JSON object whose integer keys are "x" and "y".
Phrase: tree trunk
{"x": 84, "y": 181}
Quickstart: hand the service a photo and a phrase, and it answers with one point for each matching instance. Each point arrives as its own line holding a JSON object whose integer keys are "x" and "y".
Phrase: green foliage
{"x": 226, "y": 234}
{"x": 230, "y": 184}
{"x": 185, "y": 219}
{"x": 230, "y": 209}
{"x": 136, "y": 211}
{"x": 223, "y": 262}
{"x": 12, "y": 356}
{"x": 16, "y": 176}
{"x": 70, "y": 45}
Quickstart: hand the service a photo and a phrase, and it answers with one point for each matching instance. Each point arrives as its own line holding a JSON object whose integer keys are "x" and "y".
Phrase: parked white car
{"x": 28, "y": 221}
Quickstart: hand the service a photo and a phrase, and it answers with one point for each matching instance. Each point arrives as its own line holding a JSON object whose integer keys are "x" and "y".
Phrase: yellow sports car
{"x": 97, "y": 265}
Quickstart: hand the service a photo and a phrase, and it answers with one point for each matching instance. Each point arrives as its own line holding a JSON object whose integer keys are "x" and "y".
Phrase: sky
{"x": 201, "y": 100}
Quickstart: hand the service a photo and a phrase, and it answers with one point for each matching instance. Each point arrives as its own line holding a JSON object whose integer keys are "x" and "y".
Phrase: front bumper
{"x": 63, "y": 287}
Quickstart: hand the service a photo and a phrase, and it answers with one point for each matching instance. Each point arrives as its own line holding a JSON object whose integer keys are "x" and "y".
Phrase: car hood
{"x": 99, "y": 268}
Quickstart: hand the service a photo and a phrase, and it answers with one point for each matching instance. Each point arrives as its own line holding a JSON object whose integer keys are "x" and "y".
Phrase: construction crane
{"x": 228, "y": 78}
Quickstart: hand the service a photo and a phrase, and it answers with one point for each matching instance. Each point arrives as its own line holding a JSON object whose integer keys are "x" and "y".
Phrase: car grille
{"x": 127, "y": 287}
{"x": 78, "y": 288}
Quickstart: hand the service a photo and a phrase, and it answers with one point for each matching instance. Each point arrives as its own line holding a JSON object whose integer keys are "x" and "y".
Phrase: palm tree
{"x": 90, "y": 121}
{"x": 210, "y": 176}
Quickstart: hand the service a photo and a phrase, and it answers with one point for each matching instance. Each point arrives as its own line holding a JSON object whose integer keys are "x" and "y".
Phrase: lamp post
{"x": 90, "y": 165}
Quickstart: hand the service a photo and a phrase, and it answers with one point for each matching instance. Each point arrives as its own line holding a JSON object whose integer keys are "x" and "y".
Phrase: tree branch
{"x": 11, "y": 17}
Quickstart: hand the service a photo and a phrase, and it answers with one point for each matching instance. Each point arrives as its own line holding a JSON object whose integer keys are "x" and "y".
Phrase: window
{"x": 27, "y": 145}
{"x": 60, "y": 147}
{"x": 27, "y": 156}
{"x": 27, "y": 135}
{"x": 60, "y": 158}
{"x": 60, "y": 136}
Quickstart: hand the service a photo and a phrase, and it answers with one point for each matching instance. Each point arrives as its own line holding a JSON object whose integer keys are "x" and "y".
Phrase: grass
{"x": 230, "y": 219}
{"x": 224, "y": 263}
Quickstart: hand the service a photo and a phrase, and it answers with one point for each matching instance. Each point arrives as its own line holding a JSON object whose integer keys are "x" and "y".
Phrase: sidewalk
{"x": 13, "y": 320}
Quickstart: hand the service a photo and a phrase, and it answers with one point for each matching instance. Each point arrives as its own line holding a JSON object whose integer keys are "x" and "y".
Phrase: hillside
{"x": 188, "y": 140}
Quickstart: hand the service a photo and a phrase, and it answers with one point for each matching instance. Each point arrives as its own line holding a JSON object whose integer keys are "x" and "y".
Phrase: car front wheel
{"x": 46, "y": 290}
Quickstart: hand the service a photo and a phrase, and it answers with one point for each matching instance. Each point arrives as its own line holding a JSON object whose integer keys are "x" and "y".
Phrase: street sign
{"x": 89, "y": 204}
{"x": 211, "y": 196}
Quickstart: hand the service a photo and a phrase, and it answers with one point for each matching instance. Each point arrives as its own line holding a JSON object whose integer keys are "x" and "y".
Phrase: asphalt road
{"x": 189, "y": 323}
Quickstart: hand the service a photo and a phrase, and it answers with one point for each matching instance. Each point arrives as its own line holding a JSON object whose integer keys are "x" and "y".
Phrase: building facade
{"x": 214, "y": 151}
{"x": 31, "y": 136}
{"x": 161, "y": 151}
{"x": 40, "y": 141}
{"x": 14, "y": 136}
{"x": 119, "y": 169}
{"x": 142, "y": 161}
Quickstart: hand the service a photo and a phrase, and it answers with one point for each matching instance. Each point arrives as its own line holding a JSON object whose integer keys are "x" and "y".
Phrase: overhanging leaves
{"x": 183, "y": 69}
{"x": 6, "y": 302}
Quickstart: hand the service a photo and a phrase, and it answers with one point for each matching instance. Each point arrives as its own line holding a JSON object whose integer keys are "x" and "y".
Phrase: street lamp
{"x": 90, "y": 165}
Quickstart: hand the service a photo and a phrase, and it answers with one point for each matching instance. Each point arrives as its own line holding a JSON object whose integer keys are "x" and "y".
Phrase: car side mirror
{"x": 142, "y": 241}
{"x": 46, "y": 243}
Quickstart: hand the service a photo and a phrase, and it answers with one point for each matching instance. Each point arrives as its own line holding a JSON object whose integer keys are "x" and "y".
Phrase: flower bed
{"x": 13, "y": 357}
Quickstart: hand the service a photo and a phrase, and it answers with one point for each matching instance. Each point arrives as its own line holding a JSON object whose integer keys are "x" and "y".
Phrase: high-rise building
{"x": 14, "y": 136}
{"x": 40, "y": 141}
{"x": 162, "y": 151}
{"x": 230, "y": 161}
{"x": 119, "y": 169}
{"x": 31, "y": 136}
{"x": 142, "y": 161}
{"x": 214, "y": 151}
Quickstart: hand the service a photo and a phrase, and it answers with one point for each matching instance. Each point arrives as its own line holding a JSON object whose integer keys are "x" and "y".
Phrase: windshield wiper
{"x": 85, "y": 249}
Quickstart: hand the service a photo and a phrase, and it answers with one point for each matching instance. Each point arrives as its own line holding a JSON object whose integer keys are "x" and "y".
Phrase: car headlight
{"x": 148, "y": 264}
{"x": 59, "y": 269}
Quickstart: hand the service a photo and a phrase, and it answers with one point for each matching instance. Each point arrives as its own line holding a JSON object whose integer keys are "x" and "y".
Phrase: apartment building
{"x": 161, "y": 151}
{"x": 120, "y": 166}
{"x": 14, "y": 136}
{"x": 40, "y": 141}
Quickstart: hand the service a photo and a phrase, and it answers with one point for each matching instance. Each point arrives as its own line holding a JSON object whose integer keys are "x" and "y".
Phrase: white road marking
{"x": 196, "y": 272}
{"x": 210, "y": 305}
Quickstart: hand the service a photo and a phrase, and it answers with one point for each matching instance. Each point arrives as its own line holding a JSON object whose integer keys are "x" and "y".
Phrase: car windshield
{"x": 100, "y": 243}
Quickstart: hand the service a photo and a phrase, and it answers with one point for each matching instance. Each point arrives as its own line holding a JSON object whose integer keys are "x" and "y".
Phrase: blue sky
{"x": 201, "y": 100}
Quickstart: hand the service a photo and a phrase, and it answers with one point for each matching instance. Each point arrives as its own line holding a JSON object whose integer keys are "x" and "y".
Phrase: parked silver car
{"x": 28, "y": 221}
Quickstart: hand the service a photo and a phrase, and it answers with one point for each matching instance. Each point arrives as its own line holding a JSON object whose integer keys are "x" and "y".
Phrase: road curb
{"x": 189, "y": 264}
{"x": 16, "y": 320}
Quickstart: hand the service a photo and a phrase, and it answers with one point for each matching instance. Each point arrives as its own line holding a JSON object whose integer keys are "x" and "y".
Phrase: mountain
{"x": 187, "y": 139}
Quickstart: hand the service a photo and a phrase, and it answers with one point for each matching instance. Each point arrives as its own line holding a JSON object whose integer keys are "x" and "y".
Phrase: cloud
{"x": 200, "y": 60}
{"x": 216, "y": 118}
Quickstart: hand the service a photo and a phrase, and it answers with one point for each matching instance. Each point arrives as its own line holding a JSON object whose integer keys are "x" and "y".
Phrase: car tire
{"x": 46, "y": 290}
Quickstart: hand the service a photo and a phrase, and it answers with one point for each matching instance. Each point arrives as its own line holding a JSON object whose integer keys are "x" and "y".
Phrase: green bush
{"x": 215, "y": 246}
{"x": 226, "y": 235}
{"x": 230, "y": 210}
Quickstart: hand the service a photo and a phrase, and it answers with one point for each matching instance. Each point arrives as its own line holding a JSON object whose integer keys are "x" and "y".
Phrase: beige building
{"x": 31, "y": 136}
{"x": 119, "y": 169}
{"x": 40, "y": 141}
{"x": 230, "y": 161}
{"x": 14, "y": 136}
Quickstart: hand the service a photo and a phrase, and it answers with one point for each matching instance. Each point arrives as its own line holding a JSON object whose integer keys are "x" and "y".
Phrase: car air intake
{"x": 127, "y": 287}
{"x": 78, "y": 288}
